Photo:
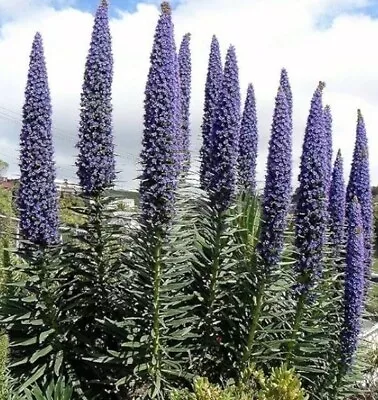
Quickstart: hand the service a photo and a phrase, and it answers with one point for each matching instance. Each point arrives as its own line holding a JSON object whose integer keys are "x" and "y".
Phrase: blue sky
{"x": 126, "y": 5}
{"x": 372, "y": 9}
{"x": 130, "y": 5}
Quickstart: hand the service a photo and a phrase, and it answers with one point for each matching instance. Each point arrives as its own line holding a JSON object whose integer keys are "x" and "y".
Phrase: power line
{"x": 65, "y": 135}
{"x": 68, "y": 135}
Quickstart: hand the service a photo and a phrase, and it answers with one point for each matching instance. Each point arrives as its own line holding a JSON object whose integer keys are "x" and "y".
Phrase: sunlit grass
{"x": 375, "y": 266}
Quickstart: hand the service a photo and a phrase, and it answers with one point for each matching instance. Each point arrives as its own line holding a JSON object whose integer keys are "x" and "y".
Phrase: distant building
{"x": 8, "y": 183}
{"x": 63, "y": 186}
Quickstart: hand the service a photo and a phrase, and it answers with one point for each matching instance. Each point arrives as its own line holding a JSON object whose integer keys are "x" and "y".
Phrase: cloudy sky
{"x": 330, "y": 40}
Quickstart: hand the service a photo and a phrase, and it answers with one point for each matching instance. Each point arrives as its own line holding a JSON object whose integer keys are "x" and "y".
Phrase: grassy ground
{"x": 372, "y": 303}
{"x": 375, "y": 266}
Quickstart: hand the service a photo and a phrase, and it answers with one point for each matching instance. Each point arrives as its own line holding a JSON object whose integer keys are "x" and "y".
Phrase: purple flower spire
{"x": 224, "y": 136}
{"x": 354, "y": 283}
{"x": 328, "y": 143}
{"x": 159, "y": 156}
{"x": 285, "y": 85}
{"x": 277, "y": 193}
{"x": 248, "y": 138}
{"x": 212, "y": 89}
{"x": 336, "y": 207}
{"x": 311, "y": 207}
{"x": 185, "y": 73}
{"x": 95, "y": 162}
{"x": 37, "y": 196}
{"x": 359, "y": 186}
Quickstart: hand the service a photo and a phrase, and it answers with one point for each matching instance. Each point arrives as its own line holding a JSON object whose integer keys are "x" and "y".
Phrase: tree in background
{"x": 3, "y": 168}
{"x": 68, "y": 202}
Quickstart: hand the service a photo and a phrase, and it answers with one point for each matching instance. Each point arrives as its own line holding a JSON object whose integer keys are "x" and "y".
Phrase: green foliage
{"x": 69, "y": 204}
{"x": 30, "y": 314}
{"x": 52, "y": 316}
{"x": 58, "y": 390}
{"x": 282, "y": 384}
{"x": 132, "y": 313}
{"x": 7, "y": 226}
{"x": 5, "y": 272}
{"x": 372, "y": 302}
{"x": 157, "y": 330}
{"x": 3, "y": 167}
{"x": 372, "y": 358}
{"x": 215, "y": 280}
{"x": 376, "y": 224}
{"x": 4, "y": 379}
{"x": 367, "y": 388}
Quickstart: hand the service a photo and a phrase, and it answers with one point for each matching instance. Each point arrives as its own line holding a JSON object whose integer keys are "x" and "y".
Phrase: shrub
{"x": 282, "y": 384}
{"x": 56, "y": 390}
{"x": 4, "y": 381}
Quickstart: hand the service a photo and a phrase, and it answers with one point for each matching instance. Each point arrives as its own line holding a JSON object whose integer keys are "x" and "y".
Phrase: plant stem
{"x": 216, "y": 263}
{"x": 297, "y": 321}
{"x": 156, "y": 308}
{"x": 255, "y": 319}
{"x": 46, "y": 285}
{"x": 98, "y": 240}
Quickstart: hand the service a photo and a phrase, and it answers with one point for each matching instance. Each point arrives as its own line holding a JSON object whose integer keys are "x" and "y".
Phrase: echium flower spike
{"x": 159, "y": 156}
{"x": 185, "y": 72}
{"x": 336, "y": 205}
{"x": 248, "y": 139}
{"x": 212, "y": 89}
{"x": 328, "y": 143}
{"x": 179, "y": 144}
{"x": 354, "y": 283}
{"x": 224, "y": 137}
{"x": 166, "y": 8}
{"x": 285, "y": 85}
{"x": 37, "y": 196}
{"x": 359, "y": 186}
{"x": 277, "y": 193}
{"x": 95, "y": 162}
{"x": 312, "y": 206}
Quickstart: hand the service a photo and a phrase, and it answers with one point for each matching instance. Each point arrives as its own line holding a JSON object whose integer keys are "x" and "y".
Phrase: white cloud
{"x": 327, "y": 40}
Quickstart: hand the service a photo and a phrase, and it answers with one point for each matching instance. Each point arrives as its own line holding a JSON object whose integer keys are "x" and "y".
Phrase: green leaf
{"x": 44, "y": 335}
{"x": 58, "y": 362}
{"x": 36, "y": 375}
{"x": 41, "y": 353}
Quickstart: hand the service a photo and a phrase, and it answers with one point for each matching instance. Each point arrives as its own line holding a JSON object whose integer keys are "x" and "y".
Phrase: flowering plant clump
{"x": 222, "y": 284}
{"x": 159, "y": 156}
{"x": 224, "y": 136}
{"x": 96, "y": 162}
{"x": 248, "y": 139}
{"x": 37, "y": 196}
{"x": 212, "y": 89}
